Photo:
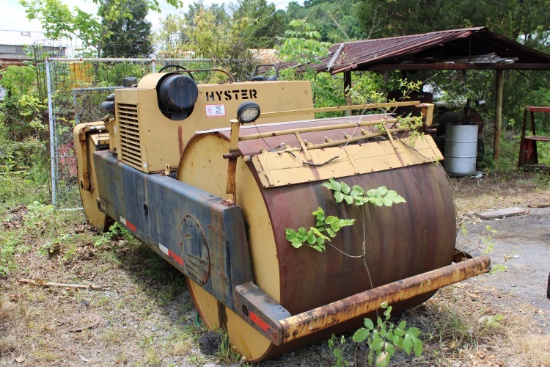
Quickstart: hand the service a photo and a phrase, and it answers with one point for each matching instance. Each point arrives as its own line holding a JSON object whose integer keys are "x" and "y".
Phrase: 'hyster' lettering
{"x": 231, "y": 95}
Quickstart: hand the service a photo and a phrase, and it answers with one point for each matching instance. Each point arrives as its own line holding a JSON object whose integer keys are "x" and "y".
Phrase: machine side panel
{"x": 190, "y": 228}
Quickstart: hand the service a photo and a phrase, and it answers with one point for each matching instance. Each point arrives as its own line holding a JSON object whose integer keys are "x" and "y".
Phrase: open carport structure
{"x": 456, "y": 49}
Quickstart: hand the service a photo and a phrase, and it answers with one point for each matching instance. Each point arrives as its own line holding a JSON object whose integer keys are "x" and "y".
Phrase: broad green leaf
{"x": 317, "y": 232}
{"x": 296, "y": 243}
{"x": 348, "y": 199}
{"x": 360, "y": 335}
{"x": 361, "y": 201}
{"x": 381, "y": 191}
{"x": 370, "y": 356}
{"x": 383, "y": 330}
{"x": 397, "y": 340}
{"x": 387, "y": 313}
{"x": 371, "y": 193}
{"x": 396, "y": 197}
{"x": 369, "y": 324}
{"x": 357, "y": 190}
{"x": 417, "y": 347}
{"x": 400, "y": 332}
{"x": 311, "y": 239}
{"x": 345, "y": 188}
{"x": 377, "y": 343}
{"x": 408, "y": 344}
{"x": 403, "y": 325}
{"x": 390, "y": 349}
{"x": 384, "y": 304}
{"x": 334, "y": 223}
{"x": 413, "y": 332}
{"x": 290, "y": 234}
{"x": 383, "y": 359}
{"x": 387, "y": 201}
{"x": 346, "y": 222}
{"x": 319, "y": 214}
{"x": 338, "y": 196}
{"x": 335, "y": 185}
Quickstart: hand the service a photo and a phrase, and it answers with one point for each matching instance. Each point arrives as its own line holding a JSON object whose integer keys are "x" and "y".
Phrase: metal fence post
{"x": 52, "y": 135}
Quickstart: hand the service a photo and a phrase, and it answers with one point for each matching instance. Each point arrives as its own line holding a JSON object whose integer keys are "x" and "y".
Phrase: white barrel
{"x": 460, "y": 149}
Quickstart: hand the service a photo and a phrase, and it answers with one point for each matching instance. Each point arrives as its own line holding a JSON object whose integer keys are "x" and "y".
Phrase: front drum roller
{"x": 400, "y": 242}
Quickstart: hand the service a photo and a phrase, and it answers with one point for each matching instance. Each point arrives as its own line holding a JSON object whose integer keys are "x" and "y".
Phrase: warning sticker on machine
{"x": 215, "y": 110}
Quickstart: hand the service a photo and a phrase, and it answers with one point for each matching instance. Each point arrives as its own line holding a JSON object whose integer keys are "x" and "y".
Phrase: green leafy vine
{"x": 316, "y": 237}
{"x": 326, "y": 227}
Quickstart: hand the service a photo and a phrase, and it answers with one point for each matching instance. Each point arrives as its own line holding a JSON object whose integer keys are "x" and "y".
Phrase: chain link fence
{"x": 75, "y": 89}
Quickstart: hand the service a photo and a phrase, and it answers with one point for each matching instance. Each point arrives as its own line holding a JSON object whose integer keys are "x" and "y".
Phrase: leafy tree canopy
{"x": 128, "y": 36}
{"x": 523, "y": 20}
{"x": 60, "y": 21}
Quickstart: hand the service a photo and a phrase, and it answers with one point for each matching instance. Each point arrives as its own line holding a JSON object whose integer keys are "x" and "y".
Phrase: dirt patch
{"x": 146, "y": 316}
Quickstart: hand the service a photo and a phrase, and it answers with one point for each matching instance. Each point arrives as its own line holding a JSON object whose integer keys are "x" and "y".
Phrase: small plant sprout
{"x": 384, "y": 337}
{"x": 492, "y": 321}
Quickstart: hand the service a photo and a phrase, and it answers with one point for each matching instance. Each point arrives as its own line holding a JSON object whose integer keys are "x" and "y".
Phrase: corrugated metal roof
{"x": 449, "y": 49}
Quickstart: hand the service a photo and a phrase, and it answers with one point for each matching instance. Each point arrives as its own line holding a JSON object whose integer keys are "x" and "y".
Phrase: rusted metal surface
{"x": 400, "y": 241}
{"x": 434, "y": 50}
{"x": 310, "y": 279}
{"x": 312, "y": 321}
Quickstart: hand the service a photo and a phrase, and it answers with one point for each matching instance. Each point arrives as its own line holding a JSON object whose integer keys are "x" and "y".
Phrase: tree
{"x": 522, "y": 20}
{"x": 129, "y": 37}
{"x": 59, "y": 21}
{"x": 335, "y": 21}
{"x": 265, "y": 22}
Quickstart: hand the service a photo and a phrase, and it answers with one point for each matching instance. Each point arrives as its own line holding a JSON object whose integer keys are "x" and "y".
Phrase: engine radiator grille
{"x": 130, "y": 143}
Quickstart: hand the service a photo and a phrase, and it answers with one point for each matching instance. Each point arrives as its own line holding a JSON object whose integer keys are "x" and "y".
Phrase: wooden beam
{"x": 498, "y": 115}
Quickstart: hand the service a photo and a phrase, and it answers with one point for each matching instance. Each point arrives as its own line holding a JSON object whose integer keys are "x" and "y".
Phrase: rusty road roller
{"x": 210, "y": 176}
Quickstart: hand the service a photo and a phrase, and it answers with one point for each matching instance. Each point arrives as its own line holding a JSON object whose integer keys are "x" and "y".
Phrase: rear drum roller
{"x": 401, "y": 241}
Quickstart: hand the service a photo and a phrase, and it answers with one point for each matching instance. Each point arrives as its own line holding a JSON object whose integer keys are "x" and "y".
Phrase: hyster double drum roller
{"x": 213, "y": 177}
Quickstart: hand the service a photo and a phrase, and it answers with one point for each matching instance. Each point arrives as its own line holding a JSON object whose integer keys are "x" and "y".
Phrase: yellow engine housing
{"x": 150, "y": 142}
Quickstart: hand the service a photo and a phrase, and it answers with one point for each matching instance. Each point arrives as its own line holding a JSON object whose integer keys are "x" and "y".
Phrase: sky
{"x": 13, "y": 15}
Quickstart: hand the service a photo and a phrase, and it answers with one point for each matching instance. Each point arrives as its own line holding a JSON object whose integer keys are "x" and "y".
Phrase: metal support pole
{"x": 52, "y": 135}
{"x": 498, "y": 115}
{"x": 76, "y": 114}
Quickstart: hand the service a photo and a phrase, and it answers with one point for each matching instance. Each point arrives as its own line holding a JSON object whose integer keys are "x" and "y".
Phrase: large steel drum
{"x": 400, "y": 241}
